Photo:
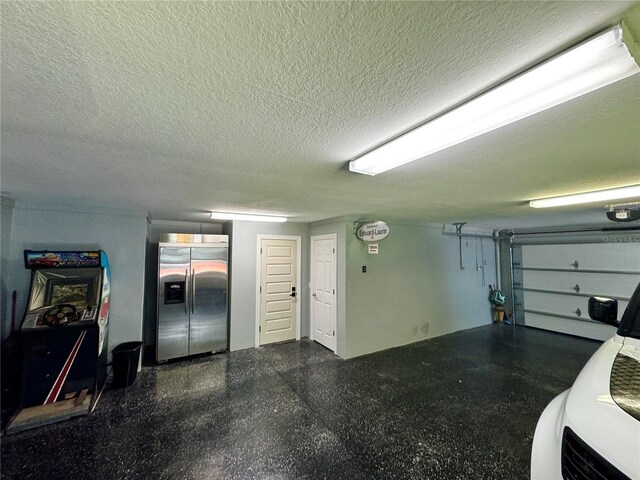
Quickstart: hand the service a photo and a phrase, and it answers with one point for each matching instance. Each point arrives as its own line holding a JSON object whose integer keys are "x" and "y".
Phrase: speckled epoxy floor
{"x": 460, "y": 406}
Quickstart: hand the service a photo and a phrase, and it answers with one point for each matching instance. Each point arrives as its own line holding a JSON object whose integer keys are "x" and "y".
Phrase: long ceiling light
{"x": 598, "y": 62}
{"x": 246, "y": 217}
{"x": 588, "y": 197}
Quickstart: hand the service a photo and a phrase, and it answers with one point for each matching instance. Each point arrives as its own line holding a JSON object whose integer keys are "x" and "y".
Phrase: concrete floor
{"x": 460, "y": 406}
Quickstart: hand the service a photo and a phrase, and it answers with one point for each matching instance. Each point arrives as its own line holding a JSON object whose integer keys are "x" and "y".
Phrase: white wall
{"x": 121, "y": 235}
{"x": 243, "y": 279}
{"x": 414, "y": 288}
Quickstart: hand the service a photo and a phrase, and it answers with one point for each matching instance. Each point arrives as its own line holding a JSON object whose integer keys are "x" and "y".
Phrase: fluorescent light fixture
{"x": 246, "y": 217}
{"x": 598, "y": 62}
{"x": 588, "y": 197}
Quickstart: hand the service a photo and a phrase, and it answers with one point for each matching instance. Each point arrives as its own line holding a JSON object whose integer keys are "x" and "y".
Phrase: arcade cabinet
{"x": 63, "y": 337}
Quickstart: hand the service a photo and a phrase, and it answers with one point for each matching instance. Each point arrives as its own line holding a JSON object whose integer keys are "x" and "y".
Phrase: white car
{"x": 592, "y": 430}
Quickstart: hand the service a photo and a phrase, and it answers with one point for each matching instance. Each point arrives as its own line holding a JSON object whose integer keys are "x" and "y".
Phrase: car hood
{"x": 593, "y": 413}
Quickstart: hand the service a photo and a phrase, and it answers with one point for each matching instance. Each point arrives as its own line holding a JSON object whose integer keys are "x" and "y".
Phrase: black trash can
{"x": 126, "y": 358}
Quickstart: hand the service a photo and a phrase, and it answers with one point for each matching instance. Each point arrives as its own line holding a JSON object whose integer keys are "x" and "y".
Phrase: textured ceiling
{"x": 179, "y": 108}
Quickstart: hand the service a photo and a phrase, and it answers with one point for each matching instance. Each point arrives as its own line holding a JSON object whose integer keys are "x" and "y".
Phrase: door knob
{"x": 314, "y": 295}
{"x": 293, "y": 294}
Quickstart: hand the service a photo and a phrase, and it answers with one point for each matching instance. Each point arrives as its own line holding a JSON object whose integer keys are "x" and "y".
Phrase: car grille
{"x": 579, "y": 461}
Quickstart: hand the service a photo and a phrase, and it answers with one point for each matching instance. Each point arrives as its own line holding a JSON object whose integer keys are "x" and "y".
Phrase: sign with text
{"x": 46, "y": 259}
{"x": 372, "y": 232}
{"x": 373, "y": 248}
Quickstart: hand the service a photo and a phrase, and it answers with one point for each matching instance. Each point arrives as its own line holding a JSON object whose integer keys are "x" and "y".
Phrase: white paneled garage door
{"x": 553, "y": 281}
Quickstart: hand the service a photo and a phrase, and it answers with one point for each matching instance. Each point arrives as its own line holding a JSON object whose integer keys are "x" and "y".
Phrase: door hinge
{"x": 334, "y": 333}
{"x": 334, "y": 291}
{"x": 260, "y": 289}
{"x": 334, "y": 250}
{"x": 260, "y": 250}
{"x": 260, "y": 328}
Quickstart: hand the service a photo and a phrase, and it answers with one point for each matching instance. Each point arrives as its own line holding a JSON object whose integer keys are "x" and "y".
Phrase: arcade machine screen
{"x": 74, "y": 290}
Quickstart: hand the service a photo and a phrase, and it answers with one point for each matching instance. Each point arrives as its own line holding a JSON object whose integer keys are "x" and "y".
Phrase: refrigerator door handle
{"x": 186, "y": 283}
{"x": 193, "y": 288}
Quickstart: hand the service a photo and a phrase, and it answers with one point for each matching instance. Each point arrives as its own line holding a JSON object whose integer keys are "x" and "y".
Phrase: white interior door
{"x": 278, "y": 292}
{"x": 323, "y": 290}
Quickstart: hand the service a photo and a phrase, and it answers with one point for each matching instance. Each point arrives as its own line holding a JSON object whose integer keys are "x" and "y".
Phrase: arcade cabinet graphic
{"x": 64, "y": 336}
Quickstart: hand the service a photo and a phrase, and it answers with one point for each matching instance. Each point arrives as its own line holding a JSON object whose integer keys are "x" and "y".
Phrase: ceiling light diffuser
{"x": 631, "y": 191}
{"x": 600, "y": 61}
{"x": 246, "y": 217}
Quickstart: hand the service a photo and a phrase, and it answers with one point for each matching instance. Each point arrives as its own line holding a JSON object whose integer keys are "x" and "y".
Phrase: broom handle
{"x": 13, "y": 310}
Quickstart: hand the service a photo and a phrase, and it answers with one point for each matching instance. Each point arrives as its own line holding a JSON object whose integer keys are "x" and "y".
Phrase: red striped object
{"x": 62, "y": 376}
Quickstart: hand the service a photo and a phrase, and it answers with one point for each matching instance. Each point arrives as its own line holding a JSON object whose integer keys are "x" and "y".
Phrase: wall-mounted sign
{"x": 373, "y": 248}
{"x": 372, "y": 232}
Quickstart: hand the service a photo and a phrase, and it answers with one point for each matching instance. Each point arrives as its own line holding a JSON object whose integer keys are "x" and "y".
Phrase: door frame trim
{"x": 334, "y": 237}
{"x": 298, "y": 240}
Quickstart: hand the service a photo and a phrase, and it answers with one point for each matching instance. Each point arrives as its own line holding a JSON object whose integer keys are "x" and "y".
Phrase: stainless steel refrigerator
{"x": 192, "y": 295}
